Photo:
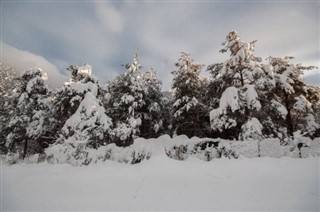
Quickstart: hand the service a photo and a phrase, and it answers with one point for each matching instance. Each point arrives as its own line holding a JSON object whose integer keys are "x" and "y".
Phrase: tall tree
{"x": 67, "y": 98}
{"x": 294, "y": 94}
{"x": 188, "y": 110}
{"x": 29, "y": 123}
{"x": 235, "y": 81}
{"x": 312, "y": 121}
{"x": 7, "y": 75}
{"x": 80, "y": 115}
{"x": 81, "y": 120}
{"x": 134, "y": 102}
{"x": 152, "y": 124}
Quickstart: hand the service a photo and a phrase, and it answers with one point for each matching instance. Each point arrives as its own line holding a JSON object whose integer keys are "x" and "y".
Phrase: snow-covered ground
{"x": 162, "y": 183}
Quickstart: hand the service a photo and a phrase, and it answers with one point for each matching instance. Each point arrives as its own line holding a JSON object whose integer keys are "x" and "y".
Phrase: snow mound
{"x": 271, "y": 148}
{"x": 178, "y": 148}
{"x": 242, "y": 149}
{"x": 251, "y": 130}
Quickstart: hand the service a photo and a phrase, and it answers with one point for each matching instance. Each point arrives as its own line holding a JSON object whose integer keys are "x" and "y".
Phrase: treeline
{"x": 244, "y": 99}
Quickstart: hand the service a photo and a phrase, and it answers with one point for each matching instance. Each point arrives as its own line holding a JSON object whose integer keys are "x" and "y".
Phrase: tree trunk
{"x": 288, "y": 117}
{"x": 241, "y": 78}
{"x": 25, "y": 148}
{"x": 246, "y": 109}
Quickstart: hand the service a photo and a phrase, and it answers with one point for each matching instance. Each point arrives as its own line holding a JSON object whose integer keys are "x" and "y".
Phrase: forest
{"x": 246, "y": 98}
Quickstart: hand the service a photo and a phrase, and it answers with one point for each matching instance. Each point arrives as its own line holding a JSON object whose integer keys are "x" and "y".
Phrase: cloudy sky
{"x": 105, "y": 34}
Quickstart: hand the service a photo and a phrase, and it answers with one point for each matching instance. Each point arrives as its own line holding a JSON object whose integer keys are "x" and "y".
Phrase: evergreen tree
{"x": 153, "y": 111}
{"x": 312, "y": 121}
{"x": 7, "y": 75}
{"x": 234, "y": 83}
{"x": 29, "y": 123}
{"x": 81, "y": 120}
{"x": 272, "y": 114}
{"x": 81, "y": 117}
{"x": 67, "y": 98}
{"x": 188, "y": 111}
{"x": 291, "y": 91}
{"x": 89, "y": 125}
{"x": 166, "y": 114}
{"x": 134, "y": 102}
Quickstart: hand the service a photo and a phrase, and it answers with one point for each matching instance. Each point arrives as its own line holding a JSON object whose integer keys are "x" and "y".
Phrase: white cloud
{"x": 22, "y": 60}
{"x": 110, "y": 18}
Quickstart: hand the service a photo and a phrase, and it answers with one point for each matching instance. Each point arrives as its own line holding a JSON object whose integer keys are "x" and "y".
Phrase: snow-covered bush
{"x": 247, "y": 149}
{"x": 251, "y": 130}
{"x": 178, "y": 152}
{"x": 313, "y": 150}
{"x": 177, "y": 147}
{"x": 271, "y": 148}
{"x": 304, "y": 146}
{"x": 12, "y": 158}
{"x": 133, "y": 154}
{"x": 83, "y": 155}
{"x": 181, "y": 148}
{"x": 64, "y": 153}
{"x": 207, "y": 150}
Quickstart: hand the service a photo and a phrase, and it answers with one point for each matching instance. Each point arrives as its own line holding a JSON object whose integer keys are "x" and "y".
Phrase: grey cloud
{"x": 23, "y": 60}
{"x": 106, "y": 34}
{"x": 109, "y": 16}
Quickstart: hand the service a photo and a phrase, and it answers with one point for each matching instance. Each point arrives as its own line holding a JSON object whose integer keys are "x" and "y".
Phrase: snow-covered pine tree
{"x": 299, "y": 100}
{"x": 134, "y": 102}
{"x": 124, "y": 96}
{"x": 29, "y": 124}
{"x": 67, "y": 98}
{"x": 234, "y": 83}
{"x": 83, "y": 123}
{"x": 79, "y": 110}
{"x": 166, "y": 115}
{"x": 7, "y": 75}
{"x": 188, "y": 111}
{"x": 153, "y": 111}
{"x": 272, "y": 113}
{"x": 312, "y": 127}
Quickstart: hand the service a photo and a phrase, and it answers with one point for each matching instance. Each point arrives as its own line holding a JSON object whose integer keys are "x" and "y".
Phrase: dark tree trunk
{"x": 25, "y": 148}
{"x": 246, "y": 109}
{"x": 288, "y": 117}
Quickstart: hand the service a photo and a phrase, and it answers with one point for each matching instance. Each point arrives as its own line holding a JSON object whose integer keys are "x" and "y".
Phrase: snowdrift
{"x": 179, "y": 148}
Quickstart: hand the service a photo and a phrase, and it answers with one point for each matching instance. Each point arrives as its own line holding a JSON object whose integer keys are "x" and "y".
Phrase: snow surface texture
{"x": 164, "y": 184}
{"x": 161, "y": 183}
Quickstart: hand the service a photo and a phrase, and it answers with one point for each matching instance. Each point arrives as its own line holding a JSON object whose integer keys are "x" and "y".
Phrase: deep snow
{"x": 162, "y": 183}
